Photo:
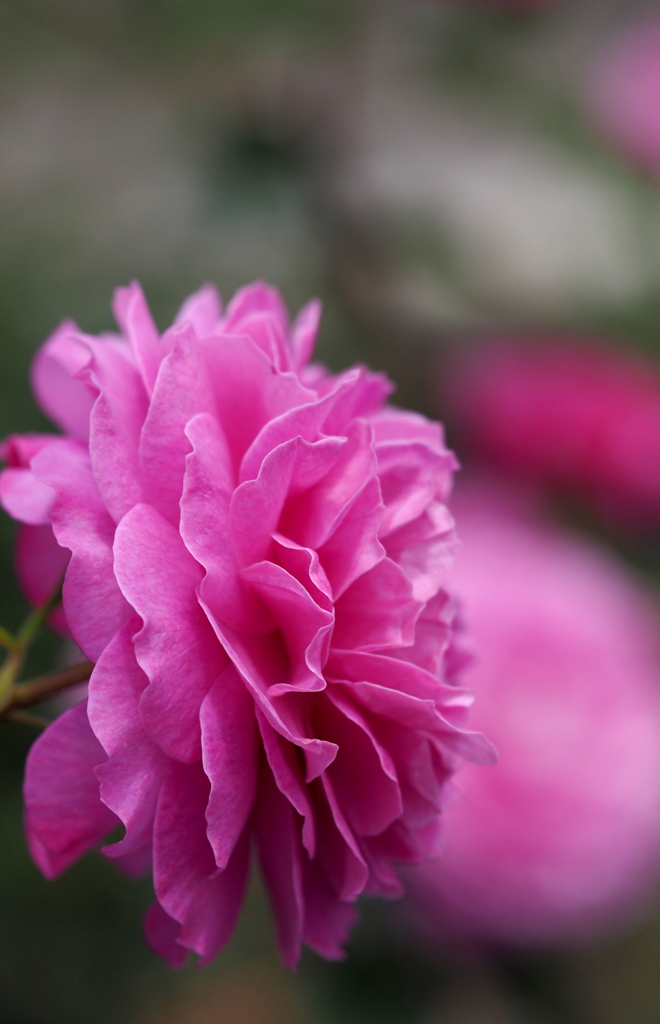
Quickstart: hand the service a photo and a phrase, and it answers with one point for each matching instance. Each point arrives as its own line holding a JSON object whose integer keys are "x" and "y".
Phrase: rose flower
{"x": 256, "y": 553}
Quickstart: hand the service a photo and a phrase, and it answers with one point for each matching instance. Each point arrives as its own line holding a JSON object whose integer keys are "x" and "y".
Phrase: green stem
{"x": 17, "y": 648}
{"x": 27, "y": 718}
{"x": 33, "y": 691}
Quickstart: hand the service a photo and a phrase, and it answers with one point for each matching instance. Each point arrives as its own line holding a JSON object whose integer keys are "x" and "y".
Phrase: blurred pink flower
{"x": 257, "y": 559}
{"x": 562, "y": 838}
{"x": 570, "y": 414}
{"x": 624, "y": 92}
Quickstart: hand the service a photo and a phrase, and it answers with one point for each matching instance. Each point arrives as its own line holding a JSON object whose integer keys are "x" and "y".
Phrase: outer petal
{"x": 93, "y": 603}
{"x": 181, "y": 390}
{"x": 65, "y": 399}
{"x": 64, "y": 814}
{"x": 278, "y": 842}
{"x": 116, "y": 423}
{"x": 176, "y": 647}
{"x": 130, "y": 779}
{"x": 134, "y": 317}
{"x": 188, "y": 885}
{"x": 162, "y": 933}
{"x": 328, "y": 920}
{"x": 249, "y": 391}
{"x": 24, "y": 497}
{"x": 202, "y": 310}
{"x": 229, "y": 754}
{"x": 303, "y": 333}
{"x": 40, "y": 566}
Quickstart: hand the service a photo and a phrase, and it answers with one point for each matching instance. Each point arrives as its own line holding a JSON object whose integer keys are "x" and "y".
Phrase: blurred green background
{"x": 427, "y": 169}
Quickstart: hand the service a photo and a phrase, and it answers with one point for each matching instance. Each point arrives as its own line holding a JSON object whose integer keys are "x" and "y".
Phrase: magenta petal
{"x": 24, "y": 497}
{"x": 176, "y": 645}
{"x": 66, "y": 400}
{"x": 338, "y": 851}
{"x": 64, "y": 813}
{"x": 188, "y": 885}
{"x": 256, "y": 506}
{"x": 248, "y": 390}
{"x": 353, "y": 547}
{"x": 202, "y": 310}
{"x": 162, "y": 933}
{"x": 303, "y": 333}
{"x": 181, "y": 391}
{"x": 311, "y": 421}
{"x": 328, "y": 920}
{"x": 304, "y": 565}
{"x": 283, "y": 717}
{"x": 131, "y": 777}
{"x": 363, "y": 773}
{"x": 115, "y": 425}
{"x": 258, "y": 297}
{"x": 40, "y": 566}
{"x": 208, "y": 486}
{"x": 311, "y": 517}
{"x": 377, "y": 611}
{"x": 229, "y": 755}
{"x": 134, "y": 317}
{"x": 286, "y": 769}
{"x": 278, "y": 841}
{"x": 305, "y": 627}
{"x": 93, "y": 603}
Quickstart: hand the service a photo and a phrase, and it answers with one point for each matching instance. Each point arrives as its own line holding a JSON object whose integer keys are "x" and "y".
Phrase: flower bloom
{"x": 624, "y": 92}
{"x": 256, "y": 552}
{"x": 562, "y": 838}
{"x": 569, "y": 414}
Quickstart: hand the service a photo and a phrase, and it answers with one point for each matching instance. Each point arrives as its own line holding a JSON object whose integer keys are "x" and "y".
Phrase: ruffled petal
{"x": 257, "y": 505}
{"x": 40, "y": 566}
{"x": 206, "y": 902}
{"x": 65, "y": 399}
{"x": 328, "y": 920}
{"x": 305, "y": 627}
{"x": 181, "y": 391}
{"x": 278, "y": 843}
{"x": 64, "y": 814}
{"x": 176, "y": 647}
{"x": 377, "y": 611}
{"x": 208, "y": 487}
{"x": 249, "y": 391}
{"x": 131, "y": 777}
{"x": 94, "y": 605}
{"x": 24, "y": 497}
{"x": 202, "y": 310}
{"x": 116, "y": 423}
{"x": 134, "y": 317}
{"x": 303, "y": 333}
{"x": 230, "y": 759}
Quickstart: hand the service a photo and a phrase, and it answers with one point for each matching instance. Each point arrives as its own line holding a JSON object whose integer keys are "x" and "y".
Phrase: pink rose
{"x": 257, "y": 556}
{"x": 573, "y": 415}
{"x": 562, "y": 838}
{"x": 624, "y": 92}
